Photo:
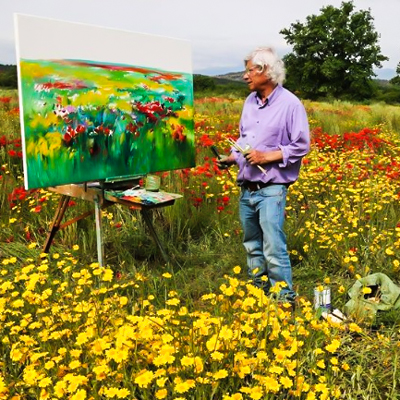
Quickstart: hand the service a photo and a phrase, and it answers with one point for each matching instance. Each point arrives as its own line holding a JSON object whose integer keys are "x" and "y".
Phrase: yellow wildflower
{"x": 220, "y": 374}
{"x": 161, "y": 394}
{"x": 79, "y": 395}
{"x": 237, "y": 270}
{"x": 144, "y": 378}
{"x": 333, "y": 346}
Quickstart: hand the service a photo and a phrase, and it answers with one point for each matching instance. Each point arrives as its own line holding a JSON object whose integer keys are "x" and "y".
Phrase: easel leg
{"x": 99, "y": 235}
{"x": 55, "y": 226}
{"x": 147, "y": 219}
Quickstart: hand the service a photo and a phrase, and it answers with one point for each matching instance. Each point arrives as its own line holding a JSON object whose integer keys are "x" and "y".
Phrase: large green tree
{"x": 334, "y": 53}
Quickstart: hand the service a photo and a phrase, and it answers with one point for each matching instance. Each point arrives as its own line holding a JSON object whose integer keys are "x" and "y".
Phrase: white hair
{"x": 267, "y": 57}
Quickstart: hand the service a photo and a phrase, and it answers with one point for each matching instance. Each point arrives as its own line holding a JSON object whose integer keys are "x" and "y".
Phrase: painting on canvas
{"x": 99, "y": 103}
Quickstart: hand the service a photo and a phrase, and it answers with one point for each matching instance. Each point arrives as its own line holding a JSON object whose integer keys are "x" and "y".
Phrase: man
{"x": 274, "y": 137}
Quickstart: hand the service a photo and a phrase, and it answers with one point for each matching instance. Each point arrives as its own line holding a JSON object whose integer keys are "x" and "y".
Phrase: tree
{"x": 396, "y": 79}
{"x": 202, "y": 82}
{"x": 8, "y": 76}
{"x": 333, "y": 54}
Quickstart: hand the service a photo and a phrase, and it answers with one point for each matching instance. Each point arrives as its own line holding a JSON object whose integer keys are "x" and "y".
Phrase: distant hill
{"x": 232, "y": 76}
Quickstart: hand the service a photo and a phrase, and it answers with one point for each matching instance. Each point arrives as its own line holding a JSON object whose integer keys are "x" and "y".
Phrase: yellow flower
{"x": 79, "y": 395}
{"x": 173, "y": 302}
{"x": 167, "y": 275}
{"x": 286, "y": 382}
{"x": 17, "y": 303}
{"x": 75, "y": 247}
{"x": 74, "y": 364}
{"x": 333, "y": 346}
{"x": 321, "y": 364}
{"x": 144, "y": 378}
{"x": 220, "y": 374}
{"x": 389, "y": 251}
{"x": 108, "y": 275}
{"x": 334, "y": 361}
{"x": 49, "y": 365}
{"x": 123, "y": 301}
{"x": 45, "y": 382}
{"x": 161, "y": 394}
{"x": 183, "y": 387}
{"x": 341, "y": 289}
{"x": 345, "y": 366}
{"x": 366, "y": 290}
{"x": 216, "y": 355}
{"x": 237, "y": 270}
{"x": 187, "y": 361}
{"x": 354, "y": 328}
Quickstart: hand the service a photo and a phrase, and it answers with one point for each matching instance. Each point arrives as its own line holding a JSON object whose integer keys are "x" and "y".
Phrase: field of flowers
{"x": 195, "y": 328}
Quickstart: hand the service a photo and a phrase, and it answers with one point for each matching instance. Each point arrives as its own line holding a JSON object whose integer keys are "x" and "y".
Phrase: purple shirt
{"x": 282, "y": 124}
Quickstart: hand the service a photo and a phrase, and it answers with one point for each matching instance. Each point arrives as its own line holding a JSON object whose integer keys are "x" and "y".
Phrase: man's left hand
{"x": 255, "y": 157}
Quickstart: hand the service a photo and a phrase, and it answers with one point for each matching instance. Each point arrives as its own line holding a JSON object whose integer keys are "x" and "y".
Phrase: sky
{"x": 221, "y": 32}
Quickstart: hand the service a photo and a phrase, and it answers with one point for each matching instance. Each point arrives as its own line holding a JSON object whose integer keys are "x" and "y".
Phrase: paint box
{"x": 322, "y": 298}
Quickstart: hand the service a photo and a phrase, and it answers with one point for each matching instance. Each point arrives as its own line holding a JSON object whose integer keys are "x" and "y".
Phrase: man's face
{"x": 255, "y": 77}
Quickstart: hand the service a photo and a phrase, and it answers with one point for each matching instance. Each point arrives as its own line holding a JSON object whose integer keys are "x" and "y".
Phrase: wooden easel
{"x": 101, "y": 199}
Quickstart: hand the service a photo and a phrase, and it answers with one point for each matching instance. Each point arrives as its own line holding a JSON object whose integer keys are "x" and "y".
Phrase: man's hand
{"x": 255, "y": 157}
{"x": 223, "y": 162}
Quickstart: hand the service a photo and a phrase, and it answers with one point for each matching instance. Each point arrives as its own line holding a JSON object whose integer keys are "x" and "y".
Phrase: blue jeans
{"x": 262, "y": 218}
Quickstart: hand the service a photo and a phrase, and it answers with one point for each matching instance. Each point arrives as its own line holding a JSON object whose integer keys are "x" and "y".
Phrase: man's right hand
{"x": 223, "y": 162}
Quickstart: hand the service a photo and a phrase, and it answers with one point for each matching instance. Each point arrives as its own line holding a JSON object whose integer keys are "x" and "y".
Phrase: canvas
{"x": 98, "y": 103}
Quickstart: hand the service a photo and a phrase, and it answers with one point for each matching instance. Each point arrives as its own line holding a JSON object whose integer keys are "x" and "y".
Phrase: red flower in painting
{"x": 69, "y": 135}
{"x": 177, "y": 134}
{"x": 151, "y": 109}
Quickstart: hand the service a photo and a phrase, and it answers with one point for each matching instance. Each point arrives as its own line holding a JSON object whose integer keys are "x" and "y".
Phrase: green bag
{"x": 384, "y": 296}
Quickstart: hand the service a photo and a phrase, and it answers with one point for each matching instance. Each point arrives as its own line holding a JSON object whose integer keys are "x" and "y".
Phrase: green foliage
{"x": 203, "y": 82}
{"x": 333, "y": 54}
{"x": 396, "y": 79}
{"x": 8, "y": 76}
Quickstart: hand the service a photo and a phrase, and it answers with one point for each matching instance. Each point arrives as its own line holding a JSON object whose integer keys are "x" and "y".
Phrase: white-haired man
{"x": 274, "y": 133}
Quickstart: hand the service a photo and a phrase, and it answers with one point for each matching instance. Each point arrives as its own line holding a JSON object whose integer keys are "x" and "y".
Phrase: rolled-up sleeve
{"x": 298, "y": 136}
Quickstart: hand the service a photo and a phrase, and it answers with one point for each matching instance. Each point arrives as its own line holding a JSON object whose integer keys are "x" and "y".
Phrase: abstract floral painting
{"x": 85, "y": 119}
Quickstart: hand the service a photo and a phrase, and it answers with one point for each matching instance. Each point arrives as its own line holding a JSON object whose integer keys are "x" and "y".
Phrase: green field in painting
{"x": 86, "y": 121}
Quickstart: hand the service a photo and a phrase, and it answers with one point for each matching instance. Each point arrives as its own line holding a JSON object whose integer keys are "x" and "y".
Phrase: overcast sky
{"x": 221, "y": 32}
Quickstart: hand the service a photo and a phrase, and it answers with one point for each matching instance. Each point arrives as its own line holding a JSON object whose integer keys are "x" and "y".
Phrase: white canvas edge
{"x": 47, "y": 38}
{"x": 20, "y": 101}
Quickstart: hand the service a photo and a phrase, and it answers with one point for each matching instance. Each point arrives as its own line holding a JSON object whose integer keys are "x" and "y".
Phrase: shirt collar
{"x": 270, "y": 99}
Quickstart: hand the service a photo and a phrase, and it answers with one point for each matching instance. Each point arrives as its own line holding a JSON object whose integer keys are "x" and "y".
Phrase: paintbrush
{"x": 216, "y": 154}
{"x": 244, "y": 151}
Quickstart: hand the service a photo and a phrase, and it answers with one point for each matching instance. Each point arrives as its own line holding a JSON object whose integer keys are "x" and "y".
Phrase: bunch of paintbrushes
{"x": 244, "y": 151}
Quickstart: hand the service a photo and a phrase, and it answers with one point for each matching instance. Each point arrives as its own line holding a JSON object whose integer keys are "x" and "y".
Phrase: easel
{"x": 101, "y": 199}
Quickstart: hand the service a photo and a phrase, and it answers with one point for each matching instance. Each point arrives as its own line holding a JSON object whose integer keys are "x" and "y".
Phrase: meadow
{"x": 195, "y": 328}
